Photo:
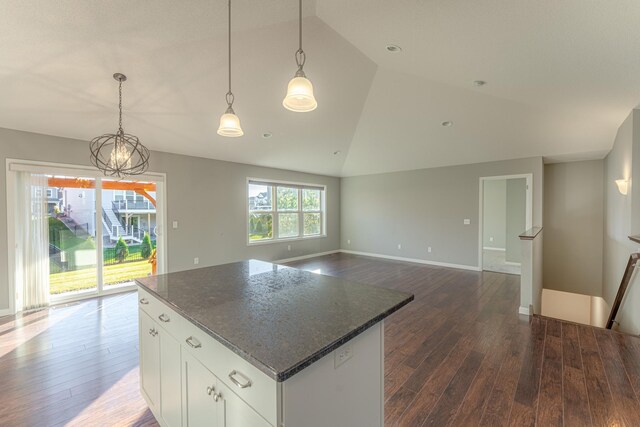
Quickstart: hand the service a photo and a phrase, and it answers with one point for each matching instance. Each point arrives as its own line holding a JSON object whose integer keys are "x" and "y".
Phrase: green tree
{"x": 122, "y": 250}
{"x": 146, "y": 246}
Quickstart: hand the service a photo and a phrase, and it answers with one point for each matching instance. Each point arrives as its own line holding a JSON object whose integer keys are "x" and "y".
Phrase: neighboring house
{"x": 124, "y": 213}
{"x": 261, "y": 201}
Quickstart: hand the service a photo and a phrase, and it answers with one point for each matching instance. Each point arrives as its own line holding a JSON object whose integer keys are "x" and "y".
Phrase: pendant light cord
{"x": 300, "y": 55}
{"x": 229, "y": 96}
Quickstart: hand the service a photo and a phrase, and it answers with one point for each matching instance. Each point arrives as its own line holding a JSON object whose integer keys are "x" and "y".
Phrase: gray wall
{"x": 207, "y": 197}
{"x": 574, "y": 226}
{"x": 424, "y": 208}
{"x": 495, "y": 214}
{"x": 621, "y": 220}
{"x": 516, "y": 217}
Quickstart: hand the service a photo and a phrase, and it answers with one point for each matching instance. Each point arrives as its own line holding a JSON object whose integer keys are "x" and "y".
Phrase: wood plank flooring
{"x": 458, "y": 355}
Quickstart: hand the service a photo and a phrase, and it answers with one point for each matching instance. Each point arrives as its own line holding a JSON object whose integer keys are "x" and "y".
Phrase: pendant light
{"x": 299, "y": 96}
{"x": 119, "y": 154}
{"x": 229, "y": 122}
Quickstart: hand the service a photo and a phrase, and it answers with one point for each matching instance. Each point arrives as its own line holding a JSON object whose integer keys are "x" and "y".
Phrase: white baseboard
{"x": 489, "y": 248}
{"x": 282, "y": 261}
{"x": 5, "y": 312}
{"x": 524, "y": 310}
{"x": 517, "y": 264}
{"x": 416, "y": 260}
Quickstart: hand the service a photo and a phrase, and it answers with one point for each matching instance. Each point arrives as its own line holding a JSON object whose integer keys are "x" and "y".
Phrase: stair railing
{"x": 622, "y": 290}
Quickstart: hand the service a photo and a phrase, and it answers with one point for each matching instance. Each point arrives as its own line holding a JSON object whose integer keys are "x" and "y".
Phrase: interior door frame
{"x": 15, "y": 165}
{"x": 528, "y": 208}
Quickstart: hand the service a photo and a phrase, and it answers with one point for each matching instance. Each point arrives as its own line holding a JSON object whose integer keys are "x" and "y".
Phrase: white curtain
{"x": 32, "y": 241}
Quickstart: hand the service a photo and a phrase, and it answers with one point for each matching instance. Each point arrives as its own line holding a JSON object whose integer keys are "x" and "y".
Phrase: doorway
{"x": 90, "y": 241}
{"x": 505, "y": 212}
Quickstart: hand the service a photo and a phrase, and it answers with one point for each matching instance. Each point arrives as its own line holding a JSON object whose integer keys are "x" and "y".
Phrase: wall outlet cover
{"x": 196, "y": 261}
{"x": 467, "y": 221}
{"x": 175, "y": 225}
{"x": 343, "y": 354}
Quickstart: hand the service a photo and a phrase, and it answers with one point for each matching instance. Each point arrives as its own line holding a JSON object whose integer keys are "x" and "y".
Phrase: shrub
{"x": 122, "y": 250}
{"x": 146, "y": 246}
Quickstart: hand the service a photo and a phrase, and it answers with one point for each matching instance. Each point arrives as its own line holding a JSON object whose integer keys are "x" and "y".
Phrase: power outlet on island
{"x": 196, "y": 261}
{"x": 343, "y": 354}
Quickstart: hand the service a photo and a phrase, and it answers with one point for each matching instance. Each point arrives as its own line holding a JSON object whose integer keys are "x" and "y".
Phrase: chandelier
{"x": 119, "y": 154}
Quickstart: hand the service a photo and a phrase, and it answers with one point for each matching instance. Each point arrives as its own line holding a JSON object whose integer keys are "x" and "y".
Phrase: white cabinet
{"x": 200, "y": 390}
{"x": 170, "y": 380}
{"x": 209, "y": 402}
{"x": 149, "y": 361}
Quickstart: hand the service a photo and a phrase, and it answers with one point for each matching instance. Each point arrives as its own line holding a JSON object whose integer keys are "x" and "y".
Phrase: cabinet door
{"x": 170, "y": 380}
{"x": 235, "y": 412}
{"x": 199, "y": 389}
{"x": 149, "y": 359}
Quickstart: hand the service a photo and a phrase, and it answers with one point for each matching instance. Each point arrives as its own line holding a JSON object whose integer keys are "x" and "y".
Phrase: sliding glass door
{"x": 94, "y": 235}
{"x": 73, "y": 261}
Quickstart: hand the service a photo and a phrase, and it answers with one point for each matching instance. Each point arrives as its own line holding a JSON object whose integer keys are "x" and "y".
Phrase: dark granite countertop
{"x": 280, "y": 319}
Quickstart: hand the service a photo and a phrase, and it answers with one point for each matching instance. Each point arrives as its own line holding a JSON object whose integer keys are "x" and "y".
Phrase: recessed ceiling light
{"x": 447, "y": 124}
{"x": 336, "y": 153}
{"x": 394, "y": 48}
{"x": 479, "y": 83}
{"x": 267, "y": 135}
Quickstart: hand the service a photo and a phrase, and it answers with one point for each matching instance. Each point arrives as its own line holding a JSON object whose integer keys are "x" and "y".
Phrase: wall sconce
{"x": 622, "y": 186}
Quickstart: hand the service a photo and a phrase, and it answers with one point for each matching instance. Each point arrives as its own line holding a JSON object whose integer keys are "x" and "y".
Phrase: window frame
{"x": 275, "y": 212}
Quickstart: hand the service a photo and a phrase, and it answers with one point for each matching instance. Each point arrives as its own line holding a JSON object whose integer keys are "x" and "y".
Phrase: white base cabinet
{"x": 189, "y": 379}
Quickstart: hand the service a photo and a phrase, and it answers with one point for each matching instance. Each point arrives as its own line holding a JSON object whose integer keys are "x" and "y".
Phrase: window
{"x": 281, "y": 211}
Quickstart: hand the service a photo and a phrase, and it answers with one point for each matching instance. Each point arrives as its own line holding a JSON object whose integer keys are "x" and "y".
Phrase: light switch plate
{"x": 175, "y": 225}
{"x": 467, "y": 221}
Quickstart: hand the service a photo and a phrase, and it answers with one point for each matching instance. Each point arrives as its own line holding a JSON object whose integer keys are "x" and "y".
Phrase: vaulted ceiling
{"x": 561, "y": 77}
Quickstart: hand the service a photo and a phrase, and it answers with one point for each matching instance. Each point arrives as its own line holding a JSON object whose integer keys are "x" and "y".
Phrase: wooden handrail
{"x": 624, "y": 284}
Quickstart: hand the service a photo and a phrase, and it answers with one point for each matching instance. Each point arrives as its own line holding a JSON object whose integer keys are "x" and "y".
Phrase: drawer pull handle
{"x": 194, "y": 343}
{"x": 210, "y": 390}
{"x": 246, "y": 381}
{"x": 164, "y": 318}
{"x": 153, "y": 332}
{"x": 217, "y": 396}
{"x": 144, "y": 301}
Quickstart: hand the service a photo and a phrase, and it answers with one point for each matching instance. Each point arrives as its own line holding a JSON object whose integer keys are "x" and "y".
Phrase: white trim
{"x": 489, "y": 248}
{"x": 415, "y": 260}
{"x": 282, "y": 261}
{"x": 524, "y": 310}
{"x": 20, "y": 165}
{"x": 528, "y": 208}
{"x": 6, "y": 312}
{"x": 517, "y": 264}
{"x": 73, "y": 297}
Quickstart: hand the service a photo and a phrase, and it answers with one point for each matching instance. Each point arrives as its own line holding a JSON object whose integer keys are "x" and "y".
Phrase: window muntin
{"x": 283, "y": 211}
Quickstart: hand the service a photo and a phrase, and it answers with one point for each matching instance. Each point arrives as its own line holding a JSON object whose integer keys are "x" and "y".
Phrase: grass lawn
{"x": 86, "y": 278}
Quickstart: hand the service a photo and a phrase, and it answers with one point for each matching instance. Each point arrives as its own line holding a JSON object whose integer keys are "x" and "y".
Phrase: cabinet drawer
{"x": 159, "y": 312}
{"x": 241, "y": 377}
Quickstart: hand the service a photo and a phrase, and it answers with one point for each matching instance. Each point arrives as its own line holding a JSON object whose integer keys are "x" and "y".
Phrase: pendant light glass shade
{"x": 300, "y": 95}
{"x": 230, "y": 124}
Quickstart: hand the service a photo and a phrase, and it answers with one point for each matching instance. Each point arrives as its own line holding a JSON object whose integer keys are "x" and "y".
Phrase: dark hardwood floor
{"x": 458, "y": 355}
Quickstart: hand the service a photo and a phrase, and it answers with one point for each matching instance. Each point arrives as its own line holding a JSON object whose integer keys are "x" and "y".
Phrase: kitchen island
{"x": 258, "y": 344}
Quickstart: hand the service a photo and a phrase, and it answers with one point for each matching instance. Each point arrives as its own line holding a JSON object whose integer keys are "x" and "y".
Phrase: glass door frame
{"x": 48, "y": 168}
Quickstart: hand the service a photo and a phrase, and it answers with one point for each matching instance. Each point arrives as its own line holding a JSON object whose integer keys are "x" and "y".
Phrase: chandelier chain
{"x": 120, "y": 131}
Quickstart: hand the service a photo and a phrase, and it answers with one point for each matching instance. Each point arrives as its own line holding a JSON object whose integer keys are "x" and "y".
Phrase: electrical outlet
{"x": 429, "y": 249}
{"x": 289, "y": 247}
{"x": 348, "y": 241}
{"x": 399, "y": 246}
{"x": 491, "y": 239}
{"x": 196, "y": 261}
{"x": 175, "y": 225}
{"x": 467, "y": 221}
{"x": 343, "y": 354}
